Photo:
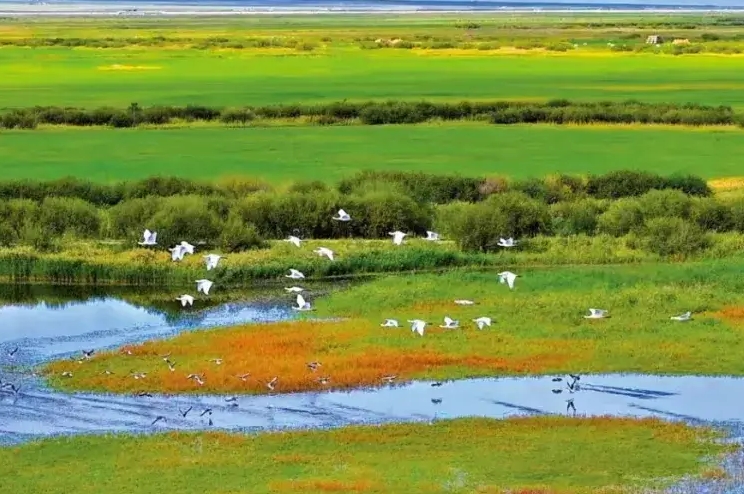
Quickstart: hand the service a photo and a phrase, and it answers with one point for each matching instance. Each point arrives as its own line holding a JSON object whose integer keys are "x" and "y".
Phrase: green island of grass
{"x": 537, "y": 455}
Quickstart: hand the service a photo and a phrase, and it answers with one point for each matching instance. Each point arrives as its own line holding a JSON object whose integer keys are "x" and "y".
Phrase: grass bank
{"x": 538, "y": 328}
{"x": 281, "y": 155}
{"x": 522, "y": 455}
{"x": 92, "y": 263}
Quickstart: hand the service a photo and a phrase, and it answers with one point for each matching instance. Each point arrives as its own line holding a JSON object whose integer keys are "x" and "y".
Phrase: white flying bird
{"x": 294, "y": 289}
{"x": 185, "y": 299}
{"x": 482, "y": 322}
{"x": 294, "y": 240}
{"x": 150, "y": 238}
{"x": 397, "y": 236}
{"x": 450, "y": 323}
{"x": 464, "y": 302}
{"x": 187, "y": 247}
{"x": 507, "y": 277}
{"x": 390, "y": 323}
{"x": 203, "y": 286}
{"x": 177, "y": 253}
{"x": 212, "y": 260}
{"x": 507, "y": 242}
{"x": 417, "y": 326}
{"x": 301, "y": 304}
{"x": 596, "y": 314}
{"x": 342, "y": 216}
{"x": 294, "y": 274}
{"x": 684, "y": 317}
{"x": 324, "y": 251}
{"x": 431, "y": 235}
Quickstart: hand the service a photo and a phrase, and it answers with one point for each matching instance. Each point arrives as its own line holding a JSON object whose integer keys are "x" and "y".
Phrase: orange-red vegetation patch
{"x": 321, "y": 486}
{"x": 731, "y": 313}
{"x": 347, "y": 359}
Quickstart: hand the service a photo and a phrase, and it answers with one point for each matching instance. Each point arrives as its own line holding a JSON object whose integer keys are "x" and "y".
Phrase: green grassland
{"x": 283, "y": 154}
{"x": 79, "y": 77}
{"x": 470, "y": 455}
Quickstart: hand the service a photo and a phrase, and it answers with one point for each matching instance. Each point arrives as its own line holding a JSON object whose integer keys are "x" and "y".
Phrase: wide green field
{"x": 88, "y": 78}
{"x": 283, "y": 154}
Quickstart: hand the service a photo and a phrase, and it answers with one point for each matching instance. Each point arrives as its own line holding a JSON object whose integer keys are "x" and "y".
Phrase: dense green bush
{"x": 674, "y": 236}
{"x": 623, "y": 216}
{"x": 59, "y": 215}
{"x": 421, "y": 187}
{"x": 623, "y": 183}
{"x": 629, "y": 183}
{"x": 710, "y": 214}
{"x": 184, "y": 218}
{"x": 238, "y": 236}
{"x": 576, "y": 217}
{"x": 661, "y": 203}
{"x": 512, "y": 214}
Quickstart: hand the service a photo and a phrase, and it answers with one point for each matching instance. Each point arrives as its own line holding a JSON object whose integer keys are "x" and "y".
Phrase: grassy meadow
{"x": 288, "y": 154}
{"x": 465, "y": 455}
{"x": 156, "y": 76}
{"x": 538, "y": 328}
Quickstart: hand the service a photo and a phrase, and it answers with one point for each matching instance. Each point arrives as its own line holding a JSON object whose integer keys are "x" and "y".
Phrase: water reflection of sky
{"x": 45, "y": 331}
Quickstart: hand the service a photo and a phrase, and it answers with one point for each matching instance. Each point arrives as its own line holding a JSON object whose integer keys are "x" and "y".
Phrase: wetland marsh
{"x": 632, "y": 207}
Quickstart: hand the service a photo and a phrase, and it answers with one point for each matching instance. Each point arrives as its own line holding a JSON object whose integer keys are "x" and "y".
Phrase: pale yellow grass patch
{"x": 117, "y": 66}
{"x": 662, "y": 87}
{"x": 726, "y": 184}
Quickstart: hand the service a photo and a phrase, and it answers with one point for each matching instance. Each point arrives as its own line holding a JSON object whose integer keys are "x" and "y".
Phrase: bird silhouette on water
{"x": 185, "y": 412}
{"x": 570, "y": 406}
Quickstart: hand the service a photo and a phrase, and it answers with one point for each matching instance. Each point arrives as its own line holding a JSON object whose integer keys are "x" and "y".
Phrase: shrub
{"x": 237, "y": 116}
{"x": 167, "y": 186}
{"x": 689, "y": 184}
{"x": 238, "y": 236}
{"x": 58, "y": 215}
{"x": 659, "y": 203}
{"x": 576, "y": 217}
{"x": 737, "y": 214}
{"x": 621, "y": 217}
{"x": 512, "y": 214}
{"x": 674, "y": 236}
{"x": 185, "y": 218}
{"x": 624, "y": 183}
{"x": 421, "y": 187}
{"x": 18, "y": 214}
{"x": 448, "y": 216}
{"x": 130, "y": 218}
{"x": 709, "y": 214}
{"x": 379, "y": 213}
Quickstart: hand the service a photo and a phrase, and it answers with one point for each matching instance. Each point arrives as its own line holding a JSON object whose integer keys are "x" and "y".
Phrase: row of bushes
{"x": 387, "y": 112}
{"x": 420, "y": 187}
{"x": 669, "y": 221}
{"x": 242, "y": 223}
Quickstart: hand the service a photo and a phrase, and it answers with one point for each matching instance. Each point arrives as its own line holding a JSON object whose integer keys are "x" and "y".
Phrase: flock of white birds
{"x": 417, "y": 325}
{"x": 177, "y": 254}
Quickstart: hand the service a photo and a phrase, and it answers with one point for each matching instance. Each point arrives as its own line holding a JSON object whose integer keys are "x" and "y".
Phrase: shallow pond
{"x": 44, "y": 331}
